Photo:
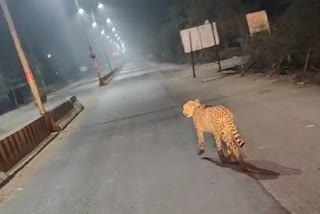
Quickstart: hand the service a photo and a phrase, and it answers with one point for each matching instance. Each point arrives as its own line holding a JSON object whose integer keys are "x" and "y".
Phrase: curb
{"x": 6, "y": 177}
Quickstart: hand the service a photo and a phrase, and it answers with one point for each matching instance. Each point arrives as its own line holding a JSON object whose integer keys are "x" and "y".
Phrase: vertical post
{"x": 105, "y": 49}
{"x": 192, "y": 58}
{"x": 217, "y": 51}
{"x": 22, "y": 57}
{"x": 37, "y": 69}
{"x": 108, "y": 59}
{"x": 91, "y": 54}
{"x": 96, "y": 66}
{"x": 306, "y": 64}
{"x": 219, "y": 61}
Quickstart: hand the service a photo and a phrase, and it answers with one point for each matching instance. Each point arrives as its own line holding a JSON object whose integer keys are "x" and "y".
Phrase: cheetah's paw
{"x": 201, "y": 151}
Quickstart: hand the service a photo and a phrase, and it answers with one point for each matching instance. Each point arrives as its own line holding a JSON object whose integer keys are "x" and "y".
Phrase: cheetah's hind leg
{"x": 237, "y": 153}
{"x": 218, "y": 141}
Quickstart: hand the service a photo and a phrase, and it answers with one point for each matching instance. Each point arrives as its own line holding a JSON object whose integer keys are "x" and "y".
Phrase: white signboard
{"x": 204, "y": 36}
{"x": 258, "y": 22}
{"x": 194, "y": 34}
{"x": 215, "y": 33}
{"x": 185, "y": 38}
{"x": 196, "y": 39}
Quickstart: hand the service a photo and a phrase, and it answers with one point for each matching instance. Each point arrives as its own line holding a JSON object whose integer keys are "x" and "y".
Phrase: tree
{"x": 228, "y": 14}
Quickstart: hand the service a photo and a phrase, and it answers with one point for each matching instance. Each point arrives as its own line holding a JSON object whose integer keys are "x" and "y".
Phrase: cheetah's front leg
{"x": 200, "y": 134}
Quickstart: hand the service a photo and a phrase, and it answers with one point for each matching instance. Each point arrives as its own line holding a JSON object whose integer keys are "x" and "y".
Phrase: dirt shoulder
{"x": 279, "y": 121}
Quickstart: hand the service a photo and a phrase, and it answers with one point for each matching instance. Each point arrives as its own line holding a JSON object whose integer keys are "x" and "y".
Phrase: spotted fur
{"x": 219, "y": 121}
{"x": 226, "y": 115}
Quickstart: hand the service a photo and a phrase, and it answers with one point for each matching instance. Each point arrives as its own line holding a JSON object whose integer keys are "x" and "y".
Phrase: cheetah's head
{"x": 189, "y": 107}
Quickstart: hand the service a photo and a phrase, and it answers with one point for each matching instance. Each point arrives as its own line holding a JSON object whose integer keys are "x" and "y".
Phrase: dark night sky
{"x": 139, "y": 19}
{"x": 50, "y": 25}
{"x": 53, "y": 26}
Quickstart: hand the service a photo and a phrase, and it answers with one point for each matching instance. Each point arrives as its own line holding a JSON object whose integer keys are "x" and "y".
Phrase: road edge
{"x": 27, "y": 159}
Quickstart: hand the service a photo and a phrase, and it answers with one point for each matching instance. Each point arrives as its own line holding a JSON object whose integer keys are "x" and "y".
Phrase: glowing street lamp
{"x": 49, "y": 56}
{"x": 108, "y": 20}
{"x": 103, "y": 32}
{"x": 94, "y": 23}
{"x": 100, "y": 5}
{"x": 113, "y": 29}
{"x": 81, "y": 11}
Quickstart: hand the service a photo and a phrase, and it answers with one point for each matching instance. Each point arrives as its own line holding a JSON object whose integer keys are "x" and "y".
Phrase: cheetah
{"x": 219, "y": 121}
{"x": 226, "y": 115}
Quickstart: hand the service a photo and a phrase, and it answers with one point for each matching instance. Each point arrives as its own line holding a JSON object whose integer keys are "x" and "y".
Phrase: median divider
{"x": 16, "y": 146}
{"x": 20, "y": 147}
{"x": 107, "y": 78}
{"x": 63, "y": 114}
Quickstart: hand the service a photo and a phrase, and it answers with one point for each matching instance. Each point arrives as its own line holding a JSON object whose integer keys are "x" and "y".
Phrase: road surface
{"x": 132, "y": 151}
{"x": 18, "y": 118}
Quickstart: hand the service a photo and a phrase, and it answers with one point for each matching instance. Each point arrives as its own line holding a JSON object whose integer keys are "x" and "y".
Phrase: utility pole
{"x": 91, "y": 54}
{"x": 22, "y": 57}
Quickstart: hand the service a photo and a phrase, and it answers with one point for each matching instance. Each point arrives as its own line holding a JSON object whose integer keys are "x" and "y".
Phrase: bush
{"x": 293, "y": 36}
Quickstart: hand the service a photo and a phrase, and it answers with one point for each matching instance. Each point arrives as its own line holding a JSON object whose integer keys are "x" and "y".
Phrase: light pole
{"x": 22, "y": 57}
{"x": 107, "y": 56}
{"x": 91, "y": 54}
{"x": 101, "y": 6}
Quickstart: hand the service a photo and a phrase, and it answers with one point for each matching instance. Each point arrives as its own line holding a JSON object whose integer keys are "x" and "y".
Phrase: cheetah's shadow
{"x": 267, "y": 170}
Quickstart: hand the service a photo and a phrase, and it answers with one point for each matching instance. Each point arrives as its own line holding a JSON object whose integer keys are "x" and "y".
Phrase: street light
{"x": 81, "y": 11}
{"x": 113, "y": 29}
{"x": 108, "y": 21}
{"x": 100, "y": 5}
{"x": 91, "y": 54}
{"x": 49, "y": 56}
{"x": 103, "y": 32}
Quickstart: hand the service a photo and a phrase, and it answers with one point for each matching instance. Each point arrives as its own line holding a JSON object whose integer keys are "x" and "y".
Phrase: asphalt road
{"x": 20, "y": 117}
{"x": 132, "y": 151}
